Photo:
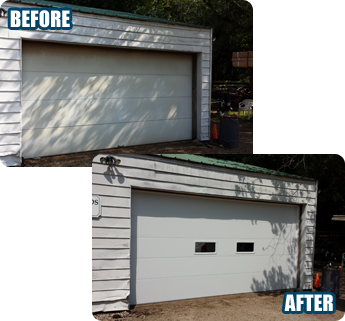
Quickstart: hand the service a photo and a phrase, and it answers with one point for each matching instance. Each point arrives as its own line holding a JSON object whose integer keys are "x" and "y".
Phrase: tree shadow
{"x": 68, "y": 105}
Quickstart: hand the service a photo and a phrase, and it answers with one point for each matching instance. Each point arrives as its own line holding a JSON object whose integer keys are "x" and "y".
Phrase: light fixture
{"x": 110, "y": 160}
{"x": 3, "y": 12}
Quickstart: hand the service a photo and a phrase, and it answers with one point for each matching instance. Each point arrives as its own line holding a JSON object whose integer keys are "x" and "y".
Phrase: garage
{"x": 175, "y": 227}
{"x": 78, "y": 98}
{"x": 114, "y": 79}
{"x": 237, "y": 241}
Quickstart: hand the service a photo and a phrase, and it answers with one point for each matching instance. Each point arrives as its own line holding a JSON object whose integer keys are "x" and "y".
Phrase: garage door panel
{"x": 80, "y": 98}
{"x": 185, "y": 247}
{"x": 205, "y": 286}
{"x": 209, "y": 265}
{"x": 44, "y": 86}
{"x": 47, "y": 113}
{"x": 66, "y": 58}
{"x": 165, "y": 227}
{"x": 182, "y": 227}
{"x": 54, "y": 141}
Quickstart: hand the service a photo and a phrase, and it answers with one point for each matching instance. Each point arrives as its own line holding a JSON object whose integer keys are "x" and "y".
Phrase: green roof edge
{"x": 230, "y": 164}
{"x": 112, "y": 13}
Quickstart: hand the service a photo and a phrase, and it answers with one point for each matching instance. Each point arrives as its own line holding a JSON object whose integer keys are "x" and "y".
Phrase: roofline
{"x": 105, "y": 12}
{"x": 260, "y": 170}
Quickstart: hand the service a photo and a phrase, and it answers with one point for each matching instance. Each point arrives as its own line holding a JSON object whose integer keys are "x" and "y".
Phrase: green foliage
{"x": 232, "y": 23}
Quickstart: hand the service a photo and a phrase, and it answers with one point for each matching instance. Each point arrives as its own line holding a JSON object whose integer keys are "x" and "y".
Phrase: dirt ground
{"x": 84, "y": 159}
{"x": 248, "y": 306}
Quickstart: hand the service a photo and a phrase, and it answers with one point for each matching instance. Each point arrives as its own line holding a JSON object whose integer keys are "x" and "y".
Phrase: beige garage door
{"x": 79, "y": 98}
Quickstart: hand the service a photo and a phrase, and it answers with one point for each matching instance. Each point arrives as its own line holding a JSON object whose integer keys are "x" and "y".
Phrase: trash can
{"x": 228, "y": 132}
{"x": 331, "y": 281}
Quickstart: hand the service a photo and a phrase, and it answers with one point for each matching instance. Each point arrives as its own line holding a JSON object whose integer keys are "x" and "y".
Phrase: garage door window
{"x": 205, "y": 247}
{"x": 245, "y": 247}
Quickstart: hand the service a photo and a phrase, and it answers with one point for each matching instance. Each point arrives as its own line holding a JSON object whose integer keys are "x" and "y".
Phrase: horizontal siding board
{"x": 110, "y": 232}
{"x": 208, "y": 182}
{"x": 13, "y": 160}
{"x": 9, "y": 149}
{"x": 205, "y": 107}
{"x": 10, "y": 86}
{"x": 115, "y": 201}
{"x": 110, "y": 264}
{"x": 205, "y": 71}
{"x": 4, "y": 32}
{"x": 115, "y": 212}
{"x": 205, "y": 85}
{"x": 110, "y": 275}
{"x": 109, "y": 306}
{"x": 308, "y": 271}
{"x": 309, "y": 250}
{"x": 6, "y": 139}
{"x": 9, "y": 43}
{"x": 205, "y": 122}
{"x": 10, "y": 54}
{"x": 311, "y": 215}
{"x": 113, "y": 295}
{"x": 131, "y": 25}
{"x": 111, "y": 190}
{"x": 10, "y": 75}
{"x": 140, "y": 183}
{"x": 110, "y": 243}
{"x": 308, "y": 265}
{"x": 130, "y": 36}
{"x": 308, "y": 257}
{"x": 111, "y": 222}
{"x": 205, "y": 101}
{"x": 10, "y": 117}
{"x": 9, "y": 97}
{"x": 110, "y": 254}
{"x": 10, "y": 128}
{"x": 11, "y": 107}
{"x": 110, "y": 285}
{"x": 6, "y": 64}
{"x": 205, "y": 93}
{"x": 212, "y": 172}
{"x": 55, "y": 36}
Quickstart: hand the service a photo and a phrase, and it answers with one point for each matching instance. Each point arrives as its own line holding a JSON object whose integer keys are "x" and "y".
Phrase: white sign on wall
{"x": 96, "y": 206}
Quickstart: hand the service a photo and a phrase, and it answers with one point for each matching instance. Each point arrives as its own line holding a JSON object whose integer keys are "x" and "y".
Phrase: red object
{"x": 317, "y": 282}
{"x": 214, "y": 132}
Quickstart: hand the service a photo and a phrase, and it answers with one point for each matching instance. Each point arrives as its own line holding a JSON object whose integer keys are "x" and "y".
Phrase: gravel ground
{"x": 248, "y": 306}
{"x": 84, "y": 159}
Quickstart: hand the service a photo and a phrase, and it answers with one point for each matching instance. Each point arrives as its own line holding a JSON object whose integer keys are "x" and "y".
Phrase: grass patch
{"x": 245, "y": 117}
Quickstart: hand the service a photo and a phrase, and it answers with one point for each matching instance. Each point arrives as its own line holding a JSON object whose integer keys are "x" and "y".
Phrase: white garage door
{"x": 188, "y": 247}
{"x": 79, "y": 98}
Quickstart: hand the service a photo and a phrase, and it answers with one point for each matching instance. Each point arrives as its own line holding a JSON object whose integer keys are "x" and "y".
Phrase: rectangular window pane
{"x": 205, "y": 247}
{"x": 245, "y": 247}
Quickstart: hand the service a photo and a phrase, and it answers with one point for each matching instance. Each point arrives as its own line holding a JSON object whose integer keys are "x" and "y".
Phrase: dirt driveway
{"x": 241, "y": 307}
{"x": 249, "y": 306}
{"x": 84, "y": 159}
